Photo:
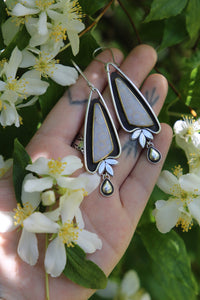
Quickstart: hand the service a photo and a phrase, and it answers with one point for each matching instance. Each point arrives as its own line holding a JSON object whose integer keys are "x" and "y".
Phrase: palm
{"x": 115, "y": 218}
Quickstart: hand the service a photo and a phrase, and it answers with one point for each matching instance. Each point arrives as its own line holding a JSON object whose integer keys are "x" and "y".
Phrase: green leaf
{"x": 3, "y": 16}
{"x": 21, "y": 40}
{"x": 171, "y": 263}
{"x": 165, "y": 9}
{"x": 3, "y": 13}
{"x": 20, "y": 160}
{"x": 174, "y": 32}
{"x": 190, "y": 87}
{"x": 30, "y": 118}
{"x": 89, "y": 7}
{"x": 192, "y": 17}
{"x": 83, "y": 272}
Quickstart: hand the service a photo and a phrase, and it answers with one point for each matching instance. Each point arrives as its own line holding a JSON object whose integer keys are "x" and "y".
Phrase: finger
{"x": 155, "y": 88}
{"x": 143, "y": 177}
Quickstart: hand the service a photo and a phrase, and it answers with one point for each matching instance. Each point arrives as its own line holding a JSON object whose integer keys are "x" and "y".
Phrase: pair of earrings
{"x": 135, "y": 115}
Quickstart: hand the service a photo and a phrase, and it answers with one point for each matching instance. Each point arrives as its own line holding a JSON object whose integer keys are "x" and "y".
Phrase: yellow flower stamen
{"x": 69, "y": 233}
{"x": 185, "y": 223}
{"x": 178, "y": 171}
{"x": 58, "y": 33}
{"x": 44, "y": 64}
{"x": 56, "y": 166}
{"x": 21, "y": 213}
{"x": 44, "y": 4}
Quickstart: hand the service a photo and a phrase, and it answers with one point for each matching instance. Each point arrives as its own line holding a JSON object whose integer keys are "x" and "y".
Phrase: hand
{"x": 114, "y": 219}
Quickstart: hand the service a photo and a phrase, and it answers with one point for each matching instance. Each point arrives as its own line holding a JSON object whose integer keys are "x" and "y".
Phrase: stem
{"x": 46, "y": 275}
{"x": 131, "y": 21}
{"x": 91, "y": 25}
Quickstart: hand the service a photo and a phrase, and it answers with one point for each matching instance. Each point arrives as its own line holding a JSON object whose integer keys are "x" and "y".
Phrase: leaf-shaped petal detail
{"x": 111, "y": 161}
{"x": 109, "y": 170}
{"x": 142, "y": 140}
{"x": 148, "y": 134}
{"x": 102, "y": 167}
{"x": 136, "y": 134}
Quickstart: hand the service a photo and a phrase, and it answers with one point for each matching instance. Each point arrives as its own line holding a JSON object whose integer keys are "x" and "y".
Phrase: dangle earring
{"x": 101, "y": 141}
{"x": 134, "y": 113}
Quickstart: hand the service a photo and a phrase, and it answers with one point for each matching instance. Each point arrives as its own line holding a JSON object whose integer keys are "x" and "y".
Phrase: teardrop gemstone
{"x": 153, "y": 155}
{"x": 106, "y": 188}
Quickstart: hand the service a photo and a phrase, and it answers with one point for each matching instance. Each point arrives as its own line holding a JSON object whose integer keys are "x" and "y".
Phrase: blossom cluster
{"x": 50, "y": 186}
{"x": 183, "y": 206}
{"x": 49, "y": 23}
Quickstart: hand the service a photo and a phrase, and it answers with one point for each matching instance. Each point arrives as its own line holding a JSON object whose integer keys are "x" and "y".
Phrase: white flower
{"x": 13, "y": 90}
{"x": 128, "y": 289}
{"x": 70, "y": 21}
{"x": 187, "y": 135}
{"x": 42, "y": 8}
{"x": 5, "y": 165}
{"x": 184, "y": 204}
{"x": 27, "y": 248}
{"x": 188, "y": 130}
{"x": 142, "y": 135}
{"x": 105, "y": 166}
{"x": 47, "y": 66}
{"x": 68, "y": 232}
{"x": 53, "y": 172}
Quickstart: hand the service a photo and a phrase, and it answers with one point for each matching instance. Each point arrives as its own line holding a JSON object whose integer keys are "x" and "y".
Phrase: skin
{"x": 115, "y": 218}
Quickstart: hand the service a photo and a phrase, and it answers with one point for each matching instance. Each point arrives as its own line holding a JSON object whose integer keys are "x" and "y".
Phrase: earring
{"x": 101, "y": 141}
{"x": 134, "y": 113}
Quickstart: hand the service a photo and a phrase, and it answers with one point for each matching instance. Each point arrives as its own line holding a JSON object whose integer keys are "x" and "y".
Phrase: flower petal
{"x": 91, "y": 181}
{"x": 69, "y": 205}
{"x": 89, "y": 241}
{"x": 55, "y": 257}
{"x": 166, "y": 181}
{"x": 167, "y": 215}
{"x": 190, "y": 183}
{"x": 20, "y": 10}
{"x": 73, "y": 163}
{"x": 32, "y": 198}
{"x": 40, "y": 166}
{"x": 130, "y": 284}
{"x": 38, "y": 184}
{"x": 63, "y": 75}
{"x": 14, "y": 62}
{"x": 194, "y": 208}
{"x": 27, "y": 247}
{"x": 7, "y": 221}
{"x": 39, "y": 223}
{"x": 42, "y": 23}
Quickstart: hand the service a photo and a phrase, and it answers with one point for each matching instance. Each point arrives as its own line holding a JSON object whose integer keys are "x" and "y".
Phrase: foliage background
{"x": 168, "y": 265}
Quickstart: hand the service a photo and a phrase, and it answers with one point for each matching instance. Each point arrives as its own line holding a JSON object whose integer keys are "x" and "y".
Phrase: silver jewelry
{"x": 101, "y": 141}
{"x": 134, "y": 113}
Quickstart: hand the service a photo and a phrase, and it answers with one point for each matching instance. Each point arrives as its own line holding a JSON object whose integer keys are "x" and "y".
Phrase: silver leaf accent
{"x": 136, "y": 134}
{"x": 102, "y": 167}
{"x": 142, "y": 140}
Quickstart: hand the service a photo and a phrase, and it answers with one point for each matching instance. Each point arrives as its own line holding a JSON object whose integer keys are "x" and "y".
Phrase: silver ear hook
{"x": 83, "y": 75}
{"x": 96, "y": 51}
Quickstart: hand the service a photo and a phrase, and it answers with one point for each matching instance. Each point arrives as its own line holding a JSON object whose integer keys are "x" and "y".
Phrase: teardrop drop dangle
{"x": 106, "y": 188}
{"x": 153, "y": 155}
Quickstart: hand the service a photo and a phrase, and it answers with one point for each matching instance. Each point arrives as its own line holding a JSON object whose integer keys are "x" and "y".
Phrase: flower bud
{"x": 48, "y": 198}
